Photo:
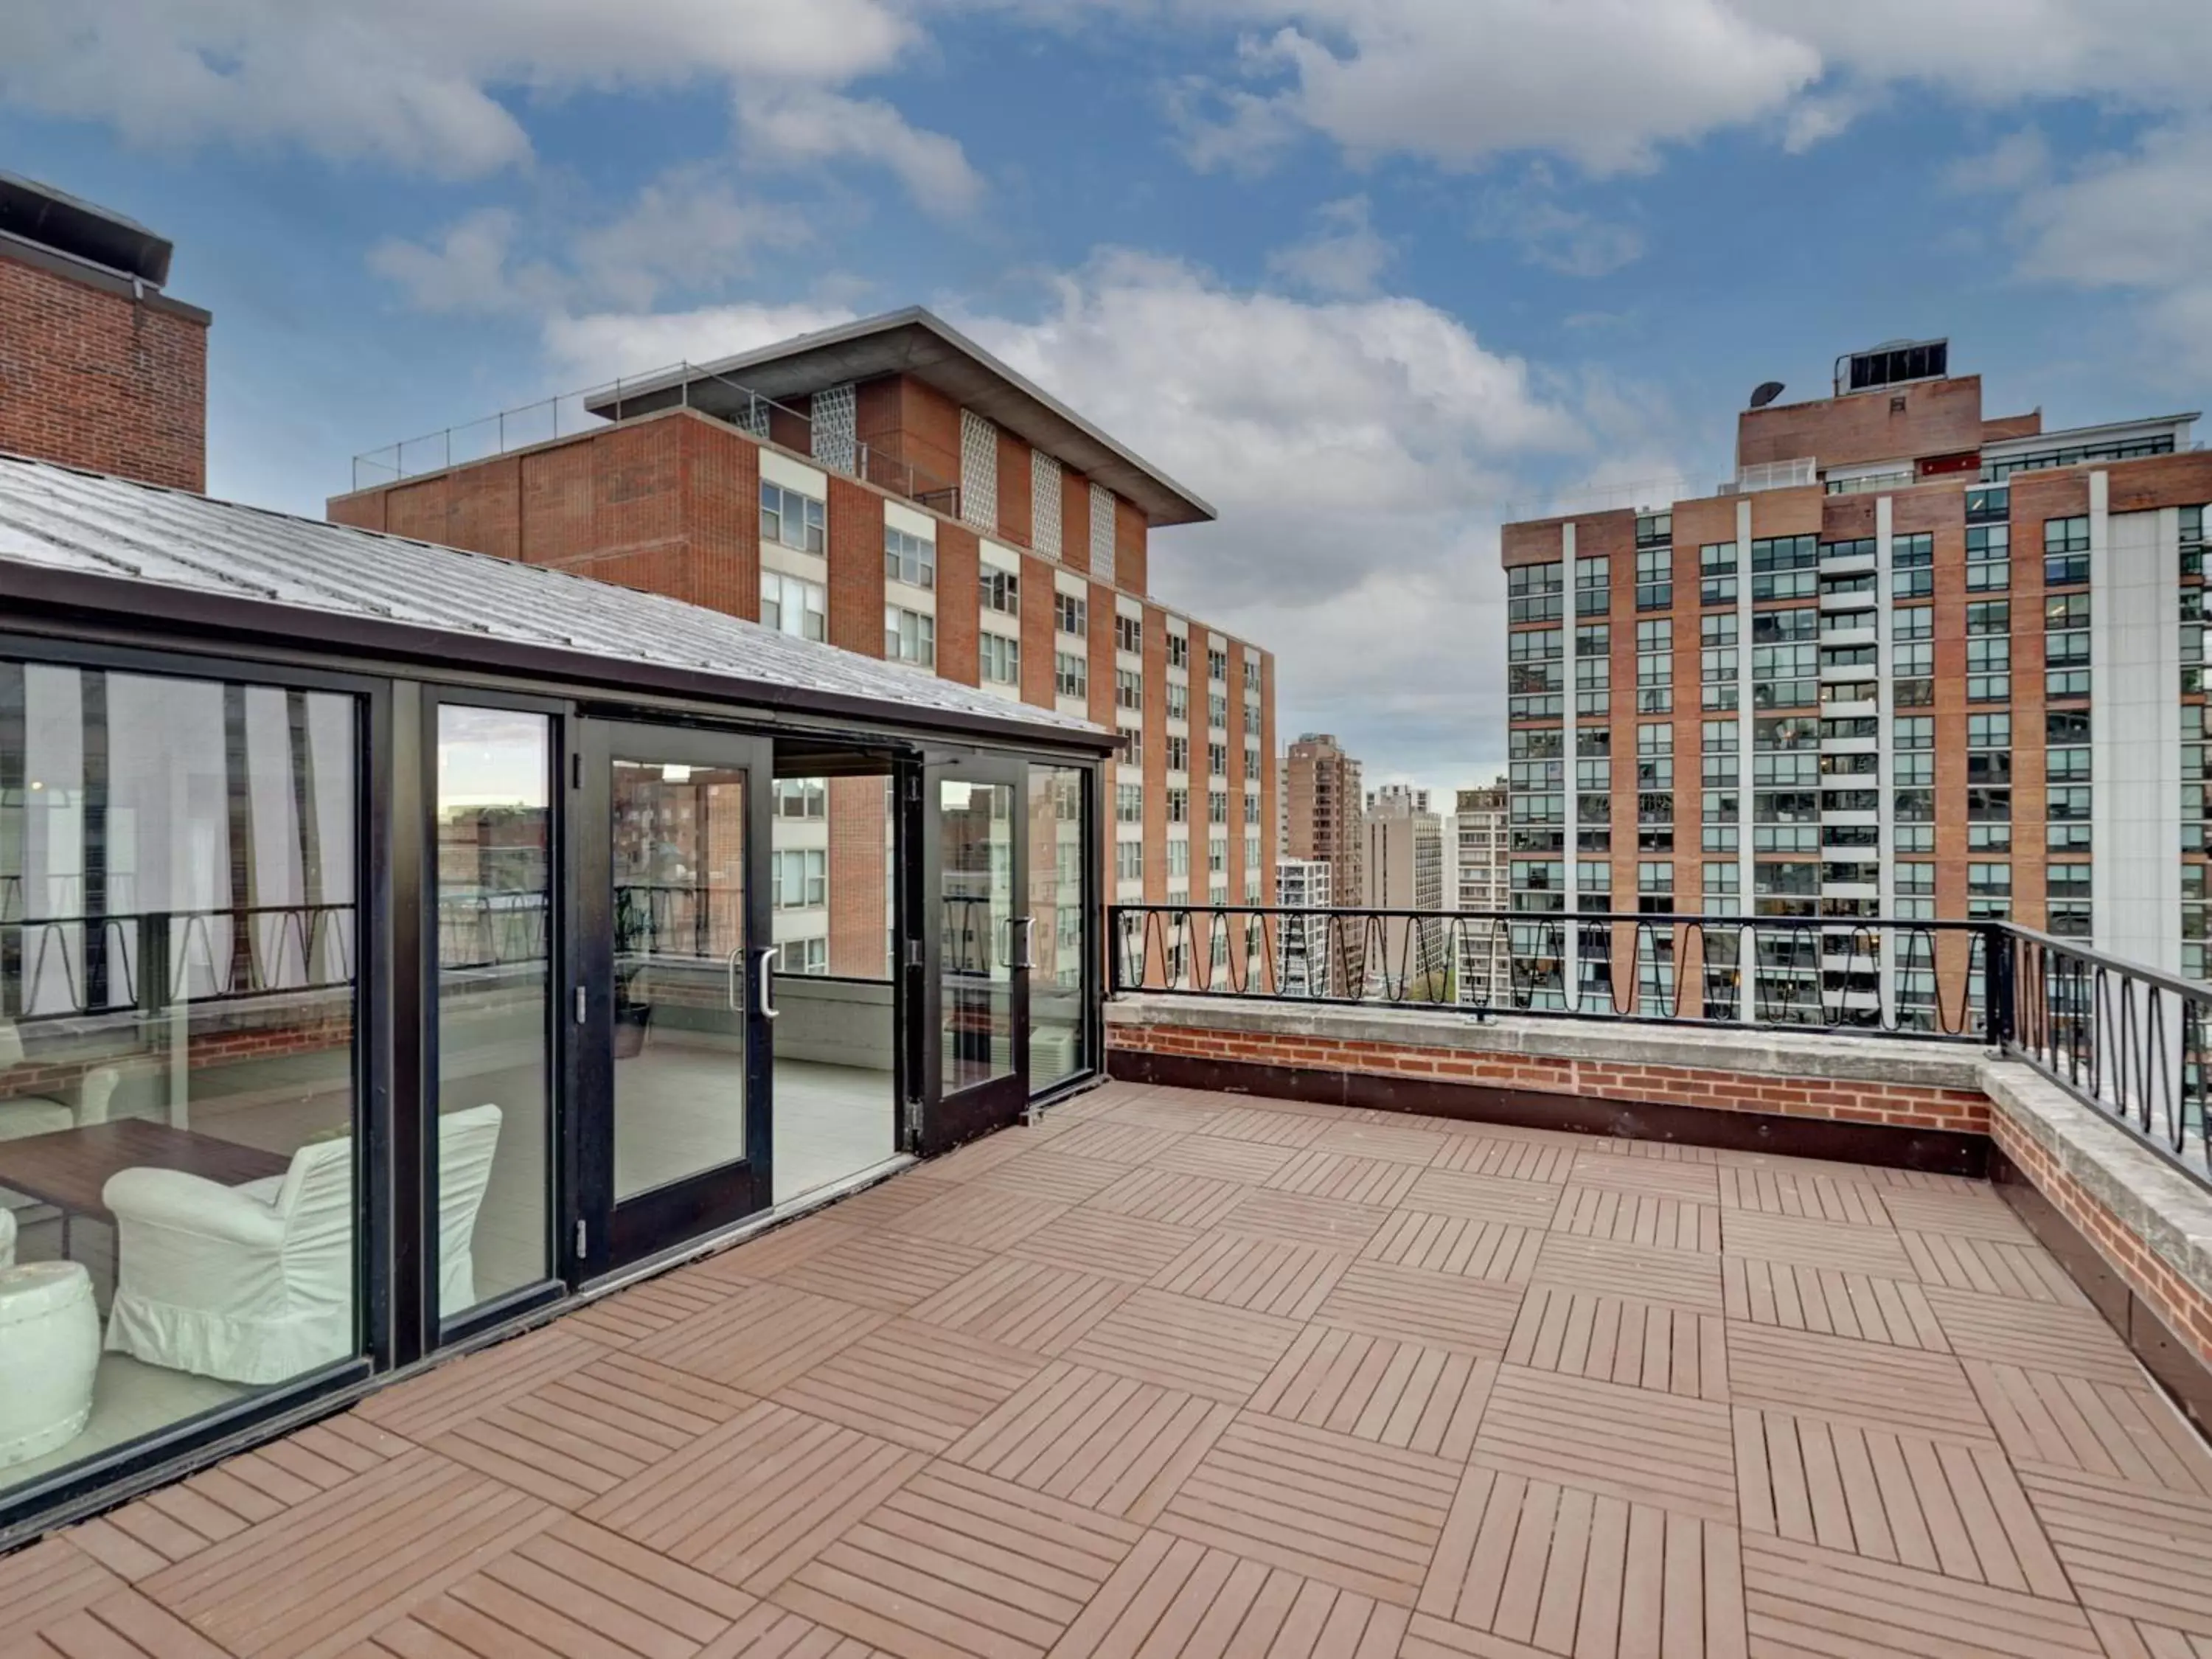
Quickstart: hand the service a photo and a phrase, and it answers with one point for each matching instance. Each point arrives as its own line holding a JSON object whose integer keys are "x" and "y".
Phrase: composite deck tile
{"x": 2131, "y": 1638}
{"x": 1020, "y": 1303}
{"x": 1220, "y": 1159}
{"x": 1304, "y": 1218}
{"x": 1267, "y": 1275}
{"x": 1802, "y": 1599}
{"x": 1484, "y": 1197}
{"x": 2040, "y": 1335}
{"x": 1181, "y": 1342}
{"x": 1107, "y": 1442}
{"x": 1646, "y": 1219}
{"x": 983, "y": 1218}
{"x": 1938, "y": 1505}
{"x": 1182, "y": 1110}
{"x": 1263, "y": 1127}
{"x": 777, "y": 1249}
{"x": 884, "y": 1202}
{"x": 1685, "y": 1279}
{"x": 1172, "y": 1598}
{"x": 1455, "y": 1244}
{"x": 1644, "y": 1345}
{"x": 1868, "y": 1307}
{"x": 1387, "y": 1137}
{"x": 760, "y": 1337}
{"x": 750, "y": 1502}
{"x": 1991, "y": 1268}
{"x": 630, "y": 1315}
{"x": 957, "y": 1563}
{"x": 121, "y": 1626}
{"x": 917, "y": 1385}
{"x": 1619, "y": 1442}
{"x": 1362, "y": 1516}
{"x": 574, "y": 1589}
{"x": 884, "y": 1269}
{"x": 1169, "y": 1195}
{"x": 346, "y": 1562}
{"x": 1797, "y": 1193}
{"x": 426, "y": 1406}
{"x": 1090, "y": 1240}
{"x": 1327, "y": 1174}
{"x": 584, "y": 1433}
{"x": 1972, "y": 1215}
{"x": 1112, "y": 1141}
{"x": 1866, "y": 1382}
{"x": 980, "y": 1157}
{"x": 1443, "y": 1310}
{"x": 1396, "y": 1394}
{"x": 1560, "y": 1570}
{"x": 1660, "y": 1151}
{"x": 1514, "y": 1160}
{"x": 1804, "y": 1242}
{"x": 2130, "y": 1550}
{"x": 2127, "y": 1431}
{"x": 49, "y": 1580}
{"x": 1699, "y": 1183}
{"x": 1050, "y": 1173}
{"x": 769, "y": 1631}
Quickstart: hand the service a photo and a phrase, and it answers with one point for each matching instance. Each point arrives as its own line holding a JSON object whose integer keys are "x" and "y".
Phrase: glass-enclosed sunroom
{"x": 397, "y": 943}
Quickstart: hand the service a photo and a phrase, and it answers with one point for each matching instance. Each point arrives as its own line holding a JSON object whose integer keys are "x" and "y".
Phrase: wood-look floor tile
{"x": 1603, "y": 1437}
{"x": 1643, "y": 1345}
{"x": 1396, "y": 1394}
{"x": 1172, "y": 1595}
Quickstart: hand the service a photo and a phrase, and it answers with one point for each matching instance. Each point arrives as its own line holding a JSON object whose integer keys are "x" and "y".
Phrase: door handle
{"x": 730, "y": 979}
{"x": 1028, "y": 925}
{"x": 767, "y": 984}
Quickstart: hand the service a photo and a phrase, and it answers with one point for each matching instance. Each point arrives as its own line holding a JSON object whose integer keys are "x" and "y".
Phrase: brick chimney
{"x": 99, "y": 367}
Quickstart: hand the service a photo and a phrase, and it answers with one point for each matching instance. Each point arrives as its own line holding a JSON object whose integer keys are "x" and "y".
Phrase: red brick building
{"x": 892, "y": 488}
{"x": 99, "y": 367}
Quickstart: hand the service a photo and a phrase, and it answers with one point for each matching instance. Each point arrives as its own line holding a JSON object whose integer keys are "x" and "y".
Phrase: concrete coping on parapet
{"x": 2140, "y": 1188}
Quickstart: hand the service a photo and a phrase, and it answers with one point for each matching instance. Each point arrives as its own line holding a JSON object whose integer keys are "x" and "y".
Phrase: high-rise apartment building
{"x": 1402, "y": 868}
{"x": 1911, "y": 660}
{"x": 891, "y": 487}
{"x": 1322, "y": 807}
{"x": 1478, "y": 837}
{"x": 1302, "y": 943}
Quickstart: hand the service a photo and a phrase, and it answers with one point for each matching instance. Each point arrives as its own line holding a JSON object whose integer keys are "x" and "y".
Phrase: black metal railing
{"x": 2127, "y": 1040}
{"x": 56, "y": 966}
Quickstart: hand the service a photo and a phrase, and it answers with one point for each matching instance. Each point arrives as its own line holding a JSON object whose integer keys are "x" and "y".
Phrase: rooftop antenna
{"x": 1768, "y": 391}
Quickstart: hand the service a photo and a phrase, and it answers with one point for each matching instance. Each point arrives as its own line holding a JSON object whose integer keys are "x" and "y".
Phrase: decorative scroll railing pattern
{"x": 2129, "y": 1041}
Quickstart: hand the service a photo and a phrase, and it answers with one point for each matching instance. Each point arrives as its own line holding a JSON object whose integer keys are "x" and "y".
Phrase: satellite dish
{"x": 1767, "y": 392}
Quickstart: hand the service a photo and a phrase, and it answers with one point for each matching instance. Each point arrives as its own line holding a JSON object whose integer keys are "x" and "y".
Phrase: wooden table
{"x": 68, "y": 1167}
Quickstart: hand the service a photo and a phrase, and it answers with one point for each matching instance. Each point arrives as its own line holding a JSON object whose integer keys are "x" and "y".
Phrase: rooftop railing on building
{"x": 2130, "y": 1041}
{"x": 610, "y": 403}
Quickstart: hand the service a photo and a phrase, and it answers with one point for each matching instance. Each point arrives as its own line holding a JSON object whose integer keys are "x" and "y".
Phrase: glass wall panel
{"x": 495, "y": 887}
{"x": 178, "y": 948}
{"x": 976, "y": 910}
{"x": 1056, "y": 943}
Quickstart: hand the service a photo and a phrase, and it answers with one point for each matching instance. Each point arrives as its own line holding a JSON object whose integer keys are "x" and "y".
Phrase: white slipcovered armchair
{"x": 38, "y": 1115}
{"x": 254, "y": 1284}
{"x": 7, "y": 1238}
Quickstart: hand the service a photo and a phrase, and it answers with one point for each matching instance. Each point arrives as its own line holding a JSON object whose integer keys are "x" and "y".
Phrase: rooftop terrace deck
{"x": 1175, "y": 1373}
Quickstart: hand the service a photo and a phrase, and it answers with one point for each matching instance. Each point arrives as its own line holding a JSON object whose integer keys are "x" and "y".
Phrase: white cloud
{"x": 808, "y": 127}
{"x": 414, "y": 83}
{"x": 594, "y": 347}
{"x": 1344, "y": 255}
{"x": 1562, "y": 239}
{"x": 465, "y": 270}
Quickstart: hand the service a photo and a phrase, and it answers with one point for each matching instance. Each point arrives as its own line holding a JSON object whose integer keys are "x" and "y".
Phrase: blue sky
{"x": 1367, "y": 274}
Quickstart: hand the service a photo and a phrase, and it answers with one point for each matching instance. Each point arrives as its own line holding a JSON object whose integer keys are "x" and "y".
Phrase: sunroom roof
{"x": 84, "y": 539}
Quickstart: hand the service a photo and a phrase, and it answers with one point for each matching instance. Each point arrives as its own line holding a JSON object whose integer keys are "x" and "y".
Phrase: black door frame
{"x": 948, "y": 1118}
{"x": 607, "y": 1236}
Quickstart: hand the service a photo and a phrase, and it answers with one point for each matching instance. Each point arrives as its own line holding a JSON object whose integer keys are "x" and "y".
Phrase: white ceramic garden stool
{"x": 49, "y": 1350}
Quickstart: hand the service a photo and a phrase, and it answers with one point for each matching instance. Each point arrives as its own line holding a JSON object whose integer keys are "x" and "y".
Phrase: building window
{"x": 802, "y": 879}
{"x": 1655, "y": 583}
{"x": 1988, "y": 558}
{"x": 1217, "y": 759}
{"x": 1178, "y": 701}
{"x": 1532, "y": 592}
{"x": 1071, "y": 674}
{"x": 1251, "y": 805}
{"x": 1912, "y": 565}
{"x": 1070, "y": 613}
{"x": 1593, "y": 587}
{"x": 1178, "y": 753}
{"x": 1216, "y": 665}
{"x": 1001, "y": 659}
{"x": 1785, "y": 567}
{"x": 1217, "y": 806}
{"x": 1654, "y": 529}
{"x": 909, "y": 636}
{"x": 1178, "y": 806}
{"x": 1002, "y": 591}
{"x": 2065, "y": 551}
{"x": 801, "y": 798}
{"x": 1655, "y": 667}
{"x": 791, "y": 606}
{"x": 1132, "y": 745}
{"x": 1128, "y": 633}
{"x": 1128, "y": 689}
{"x": 1989, "y": 892}
{"x": 1217, "y": 710}
{"x": 1717, "y": 565}
{"x": 1129, "y": 860}
{"x": 791, "y": 520}
{"x": 909, "y": 559}
{"x": 1178, "y": 649}
{"x": 803, "y": 956}
{"x": 1178, "y": 852}
{"x": 1128, "y": 803}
